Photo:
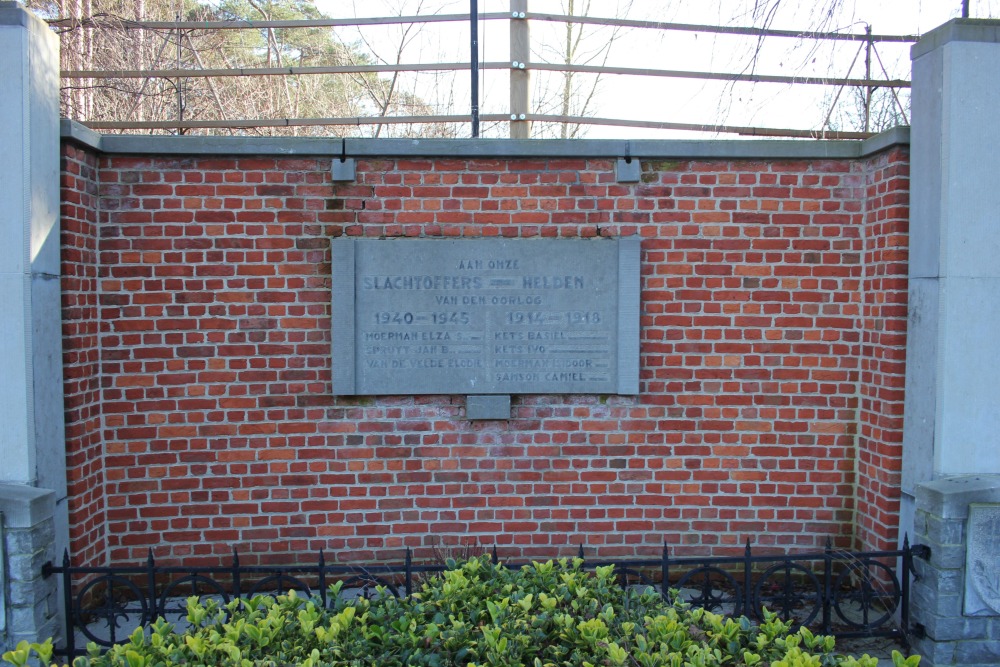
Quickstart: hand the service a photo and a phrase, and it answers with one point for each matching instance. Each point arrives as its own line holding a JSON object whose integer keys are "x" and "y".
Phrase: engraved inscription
{"x": 485, "y": 316}
{"x": 982, "y": 574}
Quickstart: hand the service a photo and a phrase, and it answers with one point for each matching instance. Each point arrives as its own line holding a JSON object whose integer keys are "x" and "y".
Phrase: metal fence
{"x": 834, "y": 592}
{"x": 82, "y": 78}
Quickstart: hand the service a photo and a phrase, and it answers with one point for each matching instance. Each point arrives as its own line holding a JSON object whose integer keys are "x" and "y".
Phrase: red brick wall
{"x": 82, "y": 355}
{"x": 883, "y": 358}
{"x": 767, "y": 373}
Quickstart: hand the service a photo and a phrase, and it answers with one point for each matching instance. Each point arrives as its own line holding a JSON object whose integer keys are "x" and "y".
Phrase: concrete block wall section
{"x": 950, "y": 637}
{"x": 203, "y": 418}
{"x": 32, "y": 601}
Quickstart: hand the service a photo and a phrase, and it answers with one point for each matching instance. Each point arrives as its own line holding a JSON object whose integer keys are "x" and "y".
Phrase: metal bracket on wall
{"x": 343, "y": 168}
{"x": 628, "y": 170}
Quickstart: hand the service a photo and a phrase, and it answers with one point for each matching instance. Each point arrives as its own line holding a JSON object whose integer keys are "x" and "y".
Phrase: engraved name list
{"x": 479, "y": 316}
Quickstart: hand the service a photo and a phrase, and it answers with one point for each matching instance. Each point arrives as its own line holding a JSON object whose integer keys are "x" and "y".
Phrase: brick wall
{"x": 81, "y": 355}
{"x": 883, "y": 356}
{"x": 771, "y": 367}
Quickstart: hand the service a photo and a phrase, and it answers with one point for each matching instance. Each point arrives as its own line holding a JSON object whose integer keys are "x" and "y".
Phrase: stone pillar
{"x": 32, "y": 438}
{"x": 951, "y": 423}
{"x": 31, "y": 601}
{"x": 951, "y": 429}
{"x": 956, "y": 596}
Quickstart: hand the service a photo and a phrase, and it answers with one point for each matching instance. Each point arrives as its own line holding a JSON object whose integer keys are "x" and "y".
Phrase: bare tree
{"x": 571, "y": 93}
{"x": 384, "y": 94}
{"x": 101, "y": 35}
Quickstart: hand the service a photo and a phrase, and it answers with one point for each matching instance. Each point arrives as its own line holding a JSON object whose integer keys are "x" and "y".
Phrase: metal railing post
{"x": 409, "y": 572}
{"x": 236, "y": 575}
{"x": 68, "y": 606}
{"x": 827, "y": 584}
{"x": 474, "y": 63}
{"x": 665, "y": 572}
{"x": 869, "y": 89}
{"x": 904, "y": 591}
{"x": 747, "y": 580}
{"x": 151, "y": 583}
{"x": 520, "y": 76}
{"x": 180, "y": 83}
{"x": 321, "y": 579}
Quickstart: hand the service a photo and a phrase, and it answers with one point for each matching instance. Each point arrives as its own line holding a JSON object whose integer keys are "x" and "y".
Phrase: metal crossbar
{"x": 518, "y": 114}
{"x": 834, "y": 592}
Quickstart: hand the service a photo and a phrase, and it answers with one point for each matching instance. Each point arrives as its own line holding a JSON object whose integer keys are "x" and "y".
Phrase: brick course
{"x": 197, "y": 330}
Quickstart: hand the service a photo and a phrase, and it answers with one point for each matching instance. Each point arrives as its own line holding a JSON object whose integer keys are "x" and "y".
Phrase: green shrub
{"x": 477, "y": 614}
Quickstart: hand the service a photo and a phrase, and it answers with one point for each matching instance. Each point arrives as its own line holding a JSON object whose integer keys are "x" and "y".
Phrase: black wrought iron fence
{"x": 833, "y": 592}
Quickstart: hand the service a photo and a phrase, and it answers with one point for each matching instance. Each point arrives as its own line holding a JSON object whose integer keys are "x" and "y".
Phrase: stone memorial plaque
{"x": 485, "y": 316}
{"x": 982, "y": 566}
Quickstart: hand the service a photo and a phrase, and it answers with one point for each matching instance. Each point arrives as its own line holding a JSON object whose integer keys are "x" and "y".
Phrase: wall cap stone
{"x": 949, "y": 497}
{"x": 79, "y": 133}
{"x": 25, "y": 506}
{"x": 15, "y": 14}
{"x": 894, "y": 136}
{"x": 719, "y": 149}
{"x": 957, "y": 30}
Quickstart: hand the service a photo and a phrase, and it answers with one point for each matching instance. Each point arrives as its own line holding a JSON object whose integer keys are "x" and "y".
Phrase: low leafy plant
{"x": 476, "y": 614}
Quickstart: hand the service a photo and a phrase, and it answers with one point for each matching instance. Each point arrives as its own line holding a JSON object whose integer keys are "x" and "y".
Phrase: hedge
{"x": 475, "y": 614}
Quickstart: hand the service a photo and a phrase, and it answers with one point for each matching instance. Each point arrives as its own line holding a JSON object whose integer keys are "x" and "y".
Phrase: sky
{"x": 771, "y": 105}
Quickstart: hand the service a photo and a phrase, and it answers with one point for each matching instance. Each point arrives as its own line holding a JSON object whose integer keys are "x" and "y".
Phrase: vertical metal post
{"x": 474, "y": 60}
{"x": 904, "y": 592}
{"x": 180, "y": 94}
{"x": 236, "y": 575}
{"x": 520, "y": 76}
{"x": 965, "y": 9}
{"x": 321, "y": 579}
{"x": 868, "y": 76}
{"x": 867, "y": 592}
{"x": 665, "y": 572}
{"x": 151, "y": 584}
{"x": 67, "y": 583}
{"x": 409, "y": 572}
{"x": 827, "y": 584}
{"x": 747, "y": 580}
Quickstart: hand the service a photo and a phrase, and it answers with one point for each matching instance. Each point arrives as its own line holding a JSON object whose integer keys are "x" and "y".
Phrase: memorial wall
{"x": 447, "y": 351}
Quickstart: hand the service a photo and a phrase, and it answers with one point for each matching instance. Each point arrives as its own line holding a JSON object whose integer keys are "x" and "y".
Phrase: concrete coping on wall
{"x": 718, "y": 149}
{"x": 949, "y": 497}
{"x": 957, "y": 30}
{"x": 15, "y": 14}
{"x": 25, "y": 506}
